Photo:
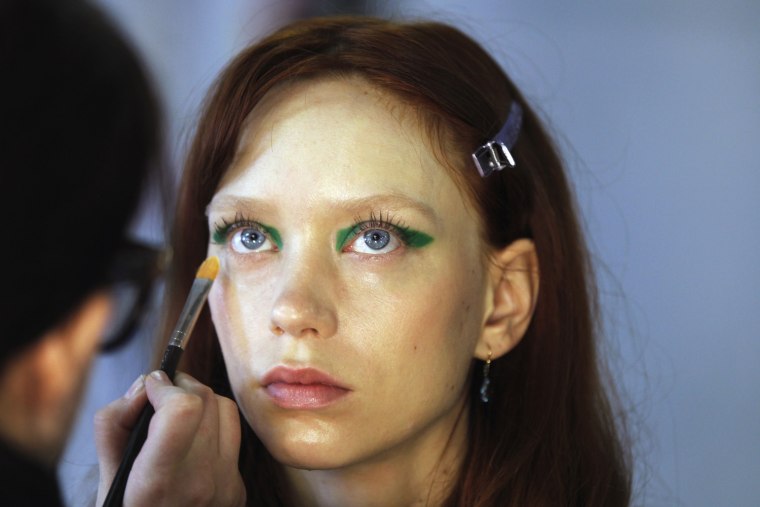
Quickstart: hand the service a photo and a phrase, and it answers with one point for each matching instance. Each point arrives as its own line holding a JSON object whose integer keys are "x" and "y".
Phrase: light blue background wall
{"x": 656, "y": 105}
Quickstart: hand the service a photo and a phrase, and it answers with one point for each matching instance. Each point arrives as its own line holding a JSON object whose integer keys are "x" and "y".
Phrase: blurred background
{"x": 656, "y": 107}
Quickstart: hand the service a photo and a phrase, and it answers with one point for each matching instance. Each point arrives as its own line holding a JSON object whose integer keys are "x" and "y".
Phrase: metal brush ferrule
{"x": 191, "y": 310}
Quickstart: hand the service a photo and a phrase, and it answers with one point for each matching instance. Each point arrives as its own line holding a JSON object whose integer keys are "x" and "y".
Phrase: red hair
{"x": 548, "y": 437}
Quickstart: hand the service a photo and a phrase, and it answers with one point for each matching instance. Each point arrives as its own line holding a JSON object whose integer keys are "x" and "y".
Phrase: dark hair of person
{"x": 80, "y": 134}
{"x": 549, "y": 435}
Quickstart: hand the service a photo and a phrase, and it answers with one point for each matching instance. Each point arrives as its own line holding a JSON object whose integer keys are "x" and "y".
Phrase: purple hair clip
{"x": 495, "y": 155}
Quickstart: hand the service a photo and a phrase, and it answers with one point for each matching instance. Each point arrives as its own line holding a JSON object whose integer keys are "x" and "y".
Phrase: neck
{"x": 421, "y": 476}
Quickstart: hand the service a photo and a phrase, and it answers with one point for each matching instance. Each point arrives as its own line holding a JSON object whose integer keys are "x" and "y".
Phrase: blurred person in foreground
{"x": 80, "y": 136}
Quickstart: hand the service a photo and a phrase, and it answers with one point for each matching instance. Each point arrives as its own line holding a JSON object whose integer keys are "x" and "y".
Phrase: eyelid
{"x": 222, "y": 230}
{"x": 390, "y": 227}
{"x": 382, "y": 221}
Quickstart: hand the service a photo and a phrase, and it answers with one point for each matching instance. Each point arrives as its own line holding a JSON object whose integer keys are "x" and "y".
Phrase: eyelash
{"x": 386, "y": 222}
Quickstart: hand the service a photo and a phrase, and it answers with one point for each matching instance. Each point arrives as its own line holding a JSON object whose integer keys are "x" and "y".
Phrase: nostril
{"x": 277, "y": 330}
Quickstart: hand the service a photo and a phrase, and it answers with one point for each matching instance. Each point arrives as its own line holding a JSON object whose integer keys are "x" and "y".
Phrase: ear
{"x": 511, "y": 298}
{"x": 41, "y": 386}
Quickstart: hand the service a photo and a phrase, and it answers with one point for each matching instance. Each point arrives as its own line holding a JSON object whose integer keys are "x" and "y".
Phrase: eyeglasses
{"x": 130, "y": 279}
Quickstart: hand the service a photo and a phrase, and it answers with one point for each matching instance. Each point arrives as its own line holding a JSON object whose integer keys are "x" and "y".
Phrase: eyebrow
{"x": 233, "y": 202}
{"x": 391, "y": 201}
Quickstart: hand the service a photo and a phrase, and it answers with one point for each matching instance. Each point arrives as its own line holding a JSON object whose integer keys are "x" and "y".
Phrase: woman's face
{"x": 352, "y": 290}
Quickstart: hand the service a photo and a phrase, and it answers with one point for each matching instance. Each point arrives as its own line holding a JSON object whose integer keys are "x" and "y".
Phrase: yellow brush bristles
{"x": 208, "y": 269}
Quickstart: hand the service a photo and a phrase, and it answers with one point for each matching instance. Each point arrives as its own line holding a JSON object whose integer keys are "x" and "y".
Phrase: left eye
{"x": 375, "y": 241}
{"x": 249, "y": 239}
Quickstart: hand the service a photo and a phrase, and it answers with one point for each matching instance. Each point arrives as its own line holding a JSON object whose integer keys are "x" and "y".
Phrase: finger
{"x": 175, "y": 423}
{"x": 233, "y": 493}
{"x": 200, "y": 444}
{"x": 114, "y": 422}
{"x": 208, "y": 428}
{"x": 229, "y": 432}
{"x": 113, "y": 425}
{"x": 217, "y": 443}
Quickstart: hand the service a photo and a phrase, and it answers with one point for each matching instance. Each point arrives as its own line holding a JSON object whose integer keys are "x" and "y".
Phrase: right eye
{"x": 374, "y": 241}
{"x": 250, "y": 239}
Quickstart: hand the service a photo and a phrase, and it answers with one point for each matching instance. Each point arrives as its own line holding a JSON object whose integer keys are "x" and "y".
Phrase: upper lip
{"x": 305, "y": 376}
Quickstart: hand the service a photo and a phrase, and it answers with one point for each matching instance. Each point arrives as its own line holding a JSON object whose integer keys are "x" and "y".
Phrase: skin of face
{"x": 397, "y": 329}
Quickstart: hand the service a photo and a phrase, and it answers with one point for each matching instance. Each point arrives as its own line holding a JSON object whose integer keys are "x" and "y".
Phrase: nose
{"x": 304, "y": 307}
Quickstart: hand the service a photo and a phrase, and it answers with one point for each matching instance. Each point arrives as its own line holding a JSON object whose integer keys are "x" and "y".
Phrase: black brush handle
{"x": 139, "y": 433}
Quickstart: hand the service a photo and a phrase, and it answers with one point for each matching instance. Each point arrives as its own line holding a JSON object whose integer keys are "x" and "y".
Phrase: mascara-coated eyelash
{"x": 382, "y": 225}
{"x": 223, "y": 230}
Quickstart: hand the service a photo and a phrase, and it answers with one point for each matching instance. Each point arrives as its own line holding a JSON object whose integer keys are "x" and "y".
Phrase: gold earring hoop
{"x": 485, "y": 387}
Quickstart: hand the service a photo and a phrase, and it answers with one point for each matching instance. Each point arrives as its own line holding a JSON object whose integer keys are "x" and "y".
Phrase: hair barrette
{"x": 495, "y": 154}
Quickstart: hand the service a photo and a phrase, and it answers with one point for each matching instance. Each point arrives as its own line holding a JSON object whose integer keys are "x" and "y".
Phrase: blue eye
{"x": 249, "y": 239}
{"x": 376, "y": 239}
{"x": 245, "y": 235}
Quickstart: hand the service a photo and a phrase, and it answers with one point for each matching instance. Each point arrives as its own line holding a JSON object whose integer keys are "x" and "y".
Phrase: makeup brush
{"x": 198, "y": 292}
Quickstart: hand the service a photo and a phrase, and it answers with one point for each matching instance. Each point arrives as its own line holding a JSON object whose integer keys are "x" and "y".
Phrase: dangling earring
{"x": 485, "y": 387}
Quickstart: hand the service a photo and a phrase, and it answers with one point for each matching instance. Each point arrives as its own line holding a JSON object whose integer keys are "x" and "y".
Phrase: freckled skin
{"x": 351, "y": 315}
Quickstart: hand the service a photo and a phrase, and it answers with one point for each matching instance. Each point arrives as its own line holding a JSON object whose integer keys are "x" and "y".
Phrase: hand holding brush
{"x": 191, "y": 451}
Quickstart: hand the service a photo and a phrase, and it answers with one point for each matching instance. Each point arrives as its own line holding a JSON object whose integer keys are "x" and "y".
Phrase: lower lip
{"x": 304, "y": 396}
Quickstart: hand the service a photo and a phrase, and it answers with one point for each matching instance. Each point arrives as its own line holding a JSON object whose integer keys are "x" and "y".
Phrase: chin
{"x": 306, "y": 455}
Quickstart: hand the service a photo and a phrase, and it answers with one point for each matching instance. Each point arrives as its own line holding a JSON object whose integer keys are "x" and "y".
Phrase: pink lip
{"x": 302, "y": 389}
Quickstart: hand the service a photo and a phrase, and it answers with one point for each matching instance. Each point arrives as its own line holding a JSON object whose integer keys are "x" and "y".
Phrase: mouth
{"x": 302, "y": 389}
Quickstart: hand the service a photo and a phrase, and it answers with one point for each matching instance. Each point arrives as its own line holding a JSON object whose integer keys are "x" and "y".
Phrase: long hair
{"x": 549, "y": 436}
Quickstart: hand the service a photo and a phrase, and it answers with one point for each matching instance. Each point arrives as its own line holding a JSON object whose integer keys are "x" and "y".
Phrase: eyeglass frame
{"x": 142, "y": 265}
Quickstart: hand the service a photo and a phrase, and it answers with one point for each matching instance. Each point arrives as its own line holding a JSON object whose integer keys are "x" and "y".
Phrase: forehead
{"x": 343, "y": 129}
{"x": 325, "y": 149}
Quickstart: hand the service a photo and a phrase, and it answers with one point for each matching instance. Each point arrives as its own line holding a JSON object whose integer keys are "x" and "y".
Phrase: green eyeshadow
{"x": 417, "y": 239}
{"x": 410, "y": 237}
{"x": 274, "y": 234}
{"x": 343, "y": 235}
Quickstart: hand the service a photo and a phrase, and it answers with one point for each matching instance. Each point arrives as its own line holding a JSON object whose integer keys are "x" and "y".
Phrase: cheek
{"x": 224, "y": 303}
{"x": 237, "y": 301}
{"x": 239, "y": 323}
{"x": 432, "y": 319}
{"x": 450, "y": 320}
